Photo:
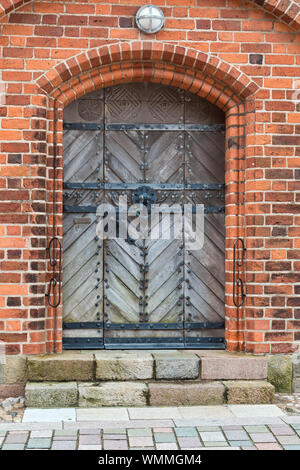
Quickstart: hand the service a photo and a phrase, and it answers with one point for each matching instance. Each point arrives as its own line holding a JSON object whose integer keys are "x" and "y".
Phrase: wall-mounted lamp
{"x": 150, "y": 19}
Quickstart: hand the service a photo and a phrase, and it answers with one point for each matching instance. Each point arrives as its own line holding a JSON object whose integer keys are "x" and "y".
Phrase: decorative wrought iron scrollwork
{"x": 55, "y": 281}
{"x": 238, "y": 283}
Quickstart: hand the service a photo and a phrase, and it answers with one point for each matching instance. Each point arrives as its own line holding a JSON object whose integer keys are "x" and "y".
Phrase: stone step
{"x": 139, "y": 393}
{"x": 85, "y": 366}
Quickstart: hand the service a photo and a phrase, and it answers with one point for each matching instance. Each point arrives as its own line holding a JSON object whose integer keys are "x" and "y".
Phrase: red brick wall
{"x": 243, "y": 57}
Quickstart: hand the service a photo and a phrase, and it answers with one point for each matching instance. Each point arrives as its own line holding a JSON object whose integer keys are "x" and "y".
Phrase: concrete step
{"x": 85, "y": 366}
{"x": 140, "y": 393}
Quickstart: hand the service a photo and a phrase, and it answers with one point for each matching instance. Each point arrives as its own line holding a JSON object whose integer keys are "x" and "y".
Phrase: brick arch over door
{"x": 152, "y": 61}
{"x": 204, "y": 75}
{"x": 287, "y": 11}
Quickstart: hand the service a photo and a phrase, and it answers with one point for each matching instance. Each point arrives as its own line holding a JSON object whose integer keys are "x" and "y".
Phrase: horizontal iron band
{"x": 180, "y": 340}
{"x": 144, "y": 343}
{"x": 89, "y": 209}
{"x": 142, "y": 346}
{"x": 204, "y": 325}
{"x": 144, "y": 127}
{"x": 83, "y": 126}
{"x": 82, "y": 343}
{"x": 89, "y": 325}
{"x": 163, "y": 345}
{"x": 154, "y": 186}
{"x": 144, "y": 326}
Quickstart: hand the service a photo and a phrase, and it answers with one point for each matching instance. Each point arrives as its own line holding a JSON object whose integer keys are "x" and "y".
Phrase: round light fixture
{"x": 150, "y": 19}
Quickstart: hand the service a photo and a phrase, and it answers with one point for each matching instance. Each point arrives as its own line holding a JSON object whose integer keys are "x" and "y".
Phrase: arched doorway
{"x": 157, "y": 144}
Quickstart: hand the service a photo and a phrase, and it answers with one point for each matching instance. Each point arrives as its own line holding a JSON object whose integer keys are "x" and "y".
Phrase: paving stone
{"x": 289, "y": 440}
{"x": 162, "y": 430}
{"x": 115, "y": 436}
{"x": 186, "y": 432}
{"x": 293, "y": 420}
{"x": 114, "y": 431}
{"x": 212, "y": 436}
{"x": 64, "y": 438}
{"x": 216, "y": 444}
{"x": 208, "y": 428}
{"x": 91, "y": 447}
{"x": 93, "y": 431}
{"x": 39, "y": 443}
{"x": 248, "y": 447}
{"x": 113, "y": 394}
{"x": 268, "y": 446}
{"x": 233, "y": 367}
{"x": 280, "y": 372}
{"x": 64, "y": 445}
{"x": 166, "y": 446}
{"x": 139, "y": 432}
{"x": 40, "y": 418}
{"x": 65, "y": 366}
{"x": 153, "y": 413}
{"x": 90, "y": 439}
{"x": 262, "y": 437}
{"x": 51, "y": 394}
{"x": 249, "y": 392}
{"x": 232, "y": 428}
{"x": 205, "y": 413}
{"x": 122, "y": 365}
{"x": 282, "y": 431}
{"x": 98, "y": 414}
{"x": 189, "y": 442}
{"x": 256, "y": 429}
{"x": 29, "y": 425}
{"x": 291, "y": 447}
{"x": 236, "y": 435}
{"x": 140, "y": 441}
{"x": 175, "y": 365}
{"x": 240, "y": 443}
{"x": 13, "y": 447}
{"x": 115, "y": 445}
{"x": 164, "y": 437}
{"x": 16, "y": 438}
{"x": 187, "y": 394}
{"x": 256, "y": 412}
{"x": 65, "y": 432}
{"x": 41, "y": 433}
{"x": 221, "y": 448}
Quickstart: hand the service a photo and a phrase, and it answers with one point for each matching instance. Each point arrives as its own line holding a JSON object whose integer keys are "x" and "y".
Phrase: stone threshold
{"x": 114, "y": 365}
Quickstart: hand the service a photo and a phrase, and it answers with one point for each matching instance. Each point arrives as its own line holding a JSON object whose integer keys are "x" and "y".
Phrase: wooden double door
{"x": 156, "y": 145}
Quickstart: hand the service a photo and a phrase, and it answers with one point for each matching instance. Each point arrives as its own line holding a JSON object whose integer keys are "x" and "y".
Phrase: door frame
{"x": 232, "y": 91}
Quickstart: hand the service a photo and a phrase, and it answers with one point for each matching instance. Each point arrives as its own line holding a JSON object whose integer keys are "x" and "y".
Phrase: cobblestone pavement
{"x": 289, "y": 403}
{"x": 231, "y": 437}
{"x": 231, "y": 427}
{"x": 12, "y": 410}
